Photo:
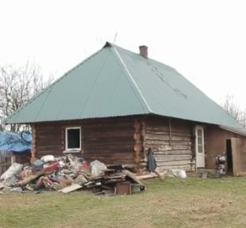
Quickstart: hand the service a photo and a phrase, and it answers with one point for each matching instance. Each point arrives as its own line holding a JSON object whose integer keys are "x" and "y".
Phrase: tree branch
{"x": 17, "y": 86}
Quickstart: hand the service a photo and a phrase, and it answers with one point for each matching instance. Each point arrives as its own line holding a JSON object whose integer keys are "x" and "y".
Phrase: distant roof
{"x": 117, "y": 82}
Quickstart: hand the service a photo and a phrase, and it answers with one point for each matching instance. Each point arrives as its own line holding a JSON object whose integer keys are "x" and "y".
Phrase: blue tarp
{"x": 15, "y": 142}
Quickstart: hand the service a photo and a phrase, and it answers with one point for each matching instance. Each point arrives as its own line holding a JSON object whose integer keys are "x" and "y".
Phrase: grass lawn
{"x": 172, "y": 203}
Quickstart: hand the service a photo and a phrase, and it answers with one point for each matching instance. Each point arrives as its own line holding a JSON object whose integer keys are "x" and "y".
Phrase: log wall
{"x": 109, "y": 140}
{"x": 171, "y": 141}
{"x": 125, "y": 140}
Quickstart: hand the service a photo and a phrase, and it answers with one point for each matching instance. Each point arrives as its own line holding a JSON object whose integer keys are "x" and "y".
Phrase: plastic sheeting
{"x": 15, "y": 142}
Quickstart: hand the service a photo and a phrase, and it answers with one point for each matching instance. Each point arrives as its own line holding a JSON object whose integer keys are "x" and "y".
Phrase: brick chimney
{"x": 143, "y": 51}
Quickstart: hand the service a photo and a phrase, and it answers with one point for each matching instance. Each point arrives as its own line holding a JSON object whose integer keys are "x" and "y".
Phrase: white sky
{"x": 205, "y": 40}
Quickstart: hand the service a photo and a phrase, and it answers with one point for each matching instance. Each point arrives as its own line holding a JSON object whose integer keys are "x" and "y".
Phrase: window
{"x": 73, "y": 139}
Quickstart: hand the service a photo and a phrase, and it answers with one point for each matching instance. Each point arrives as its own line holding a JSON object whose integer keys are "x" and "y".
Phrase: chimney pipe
{"x": 143, "y": 51}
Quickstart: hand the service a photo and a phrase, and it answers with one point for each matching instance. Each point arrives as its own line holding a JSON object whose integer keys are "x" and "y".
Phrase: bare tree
{"x": 17, "y": 86}
{"x": 234, "y": 110}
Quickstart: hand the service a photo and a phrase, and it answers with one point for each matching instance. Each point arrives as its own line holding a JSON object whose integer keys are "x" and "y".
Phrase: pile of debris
{"x": 70, "y": 173}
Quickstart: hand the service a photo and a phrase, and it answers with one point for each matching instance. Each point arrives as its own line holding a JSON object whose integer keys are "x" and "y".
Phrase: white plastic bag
{"x": 47, "y": 158}
{"x": 97, "y": 167}
{"x": 12, "y": 171}
{"x": 179, "y": 173}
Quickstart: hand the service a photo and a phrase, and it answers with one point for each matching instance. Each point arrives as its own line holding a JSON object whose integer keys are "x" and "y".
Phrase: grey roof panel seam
{"x": 133, "y": 81}
{"x": 89, "y": 95}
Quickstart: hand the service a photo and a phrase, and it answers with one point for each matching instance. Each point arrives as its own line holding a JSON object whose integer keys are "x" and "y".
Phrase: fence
{"x": 5, "y": 162}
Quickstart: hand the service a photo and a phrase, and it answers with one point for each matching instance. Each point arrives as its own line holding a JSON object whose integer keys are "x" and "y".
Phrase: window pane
{"x": 199, "y": 140}
{"x": 73, "y": 138}
{"x": 199, "y": 132}
{"x": 200, "y": 148}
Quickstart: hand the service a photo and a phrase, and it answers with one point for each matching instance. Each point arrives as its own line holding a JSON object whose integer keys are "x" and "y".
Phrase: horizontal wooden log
{"x": 108, "y": 154}
{"x": 174, "y": 152}
{"x": 106, "y": 134}
{"x": 114, "y": 145}
{"x": 169, "y": 151}
{"x": 150, "y": 143}
{"x": 162, "y": 122}
{"x": 113, "y": 158}
{"x": 45, "y": 129}
{"x": 101, "y": 143}
{"x": 169, "y": 163}
{"x": 166, "y": 133}
{"x": 108, "y": 125}
{"x": 53, "y": 150}
{"x": 167, "y": 137}
{"x": 115, "y": 140}
{"x": 167, "y": 158}
{"x": 174, "y": 147}
{"x": 99, "y": 131}
{"x": 107, "y": 161}
{"x": 166, "y": 129}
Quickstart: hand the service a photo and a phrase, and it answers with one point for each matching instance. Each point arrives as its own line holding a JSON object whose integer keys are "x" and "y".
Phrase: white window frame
{"x": 72, "y": 150}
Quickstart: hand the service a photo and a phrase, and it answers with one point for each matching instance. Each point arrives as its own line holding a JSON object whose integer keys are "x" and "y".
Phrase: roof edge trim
{"x": 5, "y": 121}
{"x": 238, "y": 131}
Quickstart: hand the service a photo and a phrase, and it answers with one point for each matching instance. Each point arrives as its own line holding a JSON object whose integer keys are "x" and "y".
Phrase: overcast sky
{"x": 205, "y": 40}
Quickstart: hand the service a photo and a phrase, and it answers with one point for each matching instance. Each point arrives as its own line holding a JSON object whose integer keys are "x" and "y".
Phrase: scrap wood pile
{"x": 69, "y": 173}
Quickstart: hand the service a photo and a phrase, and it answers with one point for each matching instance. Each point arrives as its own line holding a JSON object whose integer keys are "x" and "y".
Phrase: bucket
{"x": 204, "y": 174}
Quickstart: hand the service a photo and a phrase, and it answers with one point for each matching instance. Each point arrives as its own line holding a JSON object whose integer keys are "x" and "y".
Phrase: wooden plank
{"x": 143, "y": 135}
{"x": 164, "y": 158}
{"x": 166, "y": 133}
{"x": 174, "y": 152}
{"x": 170, "y": 132}
{"x": 238, "y": 156}
{"x": 151, "y": 143}
{"x": 5, "y": 163}
{"x": 167, "y": 138}
{"x": 33, "y": 152}
{"x": 175, "y": 147}
{"x": 166, "y": 129}
{"x": 71, "y": 188}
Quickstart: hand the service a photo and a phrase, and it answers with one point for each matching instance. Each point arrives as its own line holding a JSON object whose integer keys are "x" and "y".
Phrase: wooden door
{"x": 238, "y": 156}
{"x": 200, "y": 151}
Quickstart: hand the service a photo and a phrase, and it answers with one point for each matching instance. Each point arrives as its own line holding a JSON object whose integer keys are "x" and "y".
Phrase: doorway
{"x": 229, "y": 163}
{"x": 200, "y": 151}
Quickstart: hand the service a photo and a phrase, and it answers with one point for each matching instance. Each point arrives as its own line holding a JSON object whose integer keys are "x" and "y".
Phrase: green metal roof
{"x": 117, "y": 82}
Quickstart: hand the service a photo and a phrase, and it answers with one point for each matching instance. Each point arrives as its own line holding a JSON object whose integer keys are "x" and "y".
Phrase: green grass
{"x": 192, "y": 203}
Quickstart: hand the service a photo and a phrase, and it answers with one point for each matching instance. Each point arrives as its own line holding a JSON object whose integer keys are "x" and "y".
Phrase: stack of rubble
{"x": 69, "y": 173}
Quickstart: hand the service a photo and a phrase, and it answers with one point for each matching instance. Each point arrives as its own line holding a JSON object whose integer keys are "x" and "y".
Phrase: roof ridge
{"x": 128, "y": 74}
{"x": 108, "y": 44}
{"x": 51, "y": 85}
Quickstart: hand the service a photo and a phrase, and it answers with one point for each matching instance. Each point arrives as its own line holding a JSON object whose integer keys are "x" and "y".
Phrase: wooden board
{"x": 71, "y": 188}
{"x": 238, "y": 155}
{"x": 5, "y": 163}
